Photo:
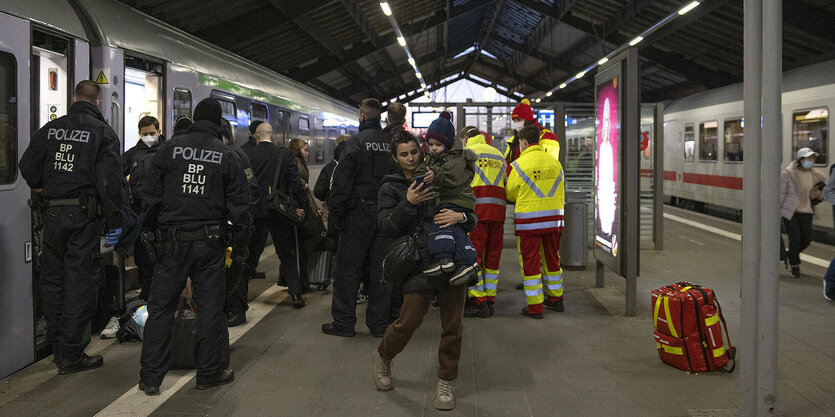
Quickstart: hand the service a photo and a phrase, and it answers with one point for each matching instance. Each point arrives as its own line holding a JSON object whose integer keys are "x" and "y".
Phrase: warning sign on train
{"x": 102, "y": 76}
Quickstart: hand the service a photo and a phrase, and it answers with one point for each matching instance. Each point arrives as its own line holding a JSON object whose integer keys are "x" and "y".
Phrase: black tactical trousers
{"x": 284, "y": 240}
{"x": 68, "y": 280}
{"x": 356, "y": 246}
{"x": 237, "y": 286}
{"x": 203, "y": 263}
{"x": 146, "y": 268}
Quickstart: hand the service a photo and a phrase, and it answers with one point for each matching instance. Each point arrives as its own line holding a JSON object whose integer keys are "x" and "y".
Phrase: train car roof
{"x": 123, "y": 27}
{"x": 798, "y": 79}
{"x": 53, "y": 14}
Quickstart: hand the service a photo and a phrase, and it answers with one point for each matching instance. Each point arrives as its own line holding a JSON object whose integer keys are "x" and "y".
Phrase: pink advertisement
{"x": 607, "y": 204}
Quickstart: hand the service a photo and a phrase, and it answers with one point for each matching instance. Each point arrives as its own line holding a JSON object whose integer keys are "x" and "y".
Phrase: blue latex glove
{"x": 112, "y": 237}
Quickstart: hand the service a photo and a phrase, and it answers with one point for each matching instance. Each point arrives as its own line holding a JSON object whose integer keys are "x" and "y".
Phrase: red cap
{"x": 523, "y": 111}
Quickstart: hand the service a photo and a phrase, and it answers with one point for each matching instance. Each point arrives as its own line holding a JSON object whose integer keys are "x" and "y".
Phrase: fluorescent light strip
{"x": 401, "y": 40}
{"x": 603, "y": 61}
{"x": 636, "y": 41}
{"x": 688, "y": 8}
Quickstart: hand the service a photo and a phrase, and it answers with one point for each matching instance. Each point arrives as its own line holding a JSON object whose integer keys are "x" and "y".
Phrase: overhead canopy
{"x": 348, "y": 48}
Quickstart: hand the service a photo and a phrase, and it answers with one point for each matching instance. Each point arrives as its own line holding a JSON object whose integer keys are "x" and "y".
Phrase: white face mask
{"x": 518, "y": 125}
{"x": 149, "y": 140}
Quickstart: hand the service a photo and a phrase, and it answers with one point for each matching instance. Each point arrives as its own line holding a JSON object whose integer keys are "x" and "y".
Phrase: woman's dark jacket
{"x": 397, "y": 217}
{"x": 322, "y": 189}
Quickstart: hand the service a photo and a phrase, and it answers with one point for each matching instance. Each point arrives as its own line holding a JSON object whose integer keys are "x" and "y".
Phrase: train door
{"x": 17, "y": 348}
{"x": 143, "y": 95}
{"x": 281, "y": 130}
{"x": 178, "y": 92}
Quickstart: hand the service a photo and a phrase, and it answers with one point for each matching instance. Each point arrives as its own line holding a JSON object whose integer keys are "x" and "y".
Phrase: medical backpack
{"x": 688, "y": 334}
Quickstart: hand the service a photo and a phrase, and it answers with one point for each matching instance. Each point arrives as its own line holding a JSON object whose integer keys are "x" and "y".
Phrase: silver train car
{"x": 704, "y": 138}
{"x": 145, "y": 67}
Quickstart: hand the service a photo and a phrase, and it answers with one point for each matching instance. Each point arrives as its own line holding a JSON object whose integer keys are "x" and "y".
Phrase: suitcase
{"x": 688, "y": 333}
{"x": 319, "y": 269}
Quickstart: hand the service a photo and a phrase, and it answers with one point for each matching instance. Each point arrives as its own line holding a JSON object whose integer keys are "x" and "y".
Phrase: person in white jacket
{"x": 800, "y": 183}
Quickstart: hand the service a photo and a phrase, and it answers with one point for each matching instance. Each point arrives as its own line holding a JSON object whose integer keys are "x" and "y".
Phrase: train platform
{"x": 590, "y": 360}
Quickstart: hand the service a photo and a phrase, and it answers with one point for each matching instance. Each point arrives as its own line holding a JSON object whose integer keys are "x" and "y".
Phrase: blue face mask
{"x": 807, "y": 164}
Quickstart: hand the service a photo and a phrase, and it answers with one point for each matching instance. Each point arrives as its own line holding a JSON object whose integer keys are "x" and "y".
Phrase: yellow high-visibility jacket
{"x": 547, "y": 139}
{"x": 537, "y": 187}
{"x": 489, "y": 180}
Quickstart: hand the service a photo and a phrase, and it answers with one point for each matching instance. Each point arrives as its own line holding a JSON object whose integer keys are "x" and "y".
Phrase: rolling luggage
{"x": 688, "y": 334}
{"x": 319, "y": 268}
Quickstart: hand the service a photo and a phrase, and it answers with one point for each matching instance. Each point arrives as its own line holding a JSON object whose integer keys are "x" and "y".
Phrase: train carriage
{"x": 145, "y": 67}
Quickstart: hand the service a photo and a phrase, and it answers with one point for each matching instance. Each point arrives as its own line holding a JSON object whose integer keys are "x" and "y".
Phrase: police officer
{"x": 237, "y": 278}
{"x": 134, "y": 162}
{"x": 74, "y": 163}
{"x": 353, "y": 210}
{"x": 203, "y": 187}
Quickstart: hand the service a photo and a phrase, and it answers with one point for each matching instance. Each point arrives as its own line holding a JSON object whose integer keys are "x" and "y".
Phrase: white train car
{"x": 145, "y": 67}
{"x": 704, "y": 138}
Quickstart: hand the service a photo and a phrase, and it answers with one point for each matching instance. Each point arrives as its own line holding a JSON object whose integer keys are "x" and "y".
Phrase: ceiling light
{"x": 422, "y": 85}
{"x": 417, "y": 74}
{"x": 688, "y": 8}
{"x": 538, "y": 100}
{"x": 635, "y": 41}
{"x": 580, "y": 75}
{"x": 385, "y": 103}
{"x": 563, "y": 85}
{"x": 412, "y": 62}
{"x": 401, "y": 40}
{"x": 548, "y": 94}
{"x": 386, "y": 8}
{"x": 603, "y": 61}
{"x": 489, "y": 94}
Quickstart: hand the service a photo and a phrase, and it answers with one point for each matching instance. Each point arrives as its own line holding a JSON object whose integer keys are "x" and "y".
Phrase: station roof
{"x": 349, "y": 49}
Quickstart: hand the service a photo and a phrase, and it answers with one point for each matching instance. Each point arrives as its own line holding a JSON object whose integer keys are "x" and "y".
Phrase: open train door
{"x": 16, "y": 314}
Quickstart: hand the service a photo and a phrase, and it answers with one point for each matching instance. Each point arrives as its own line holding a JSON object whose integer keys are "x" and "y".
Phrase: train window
{"x": 182, "y": 103}
{"x": 733, "y": 140}
{"x": 809, "y": 130}
{"x": 258, "y": 111}
{"x": 708, "y": 141}
{"x": 8, "y": 118}
{"x": 304, "y": 125}
{"x": 227, "y": 105}
{"x": 281, "y": 127}
{"x": 689, "y": 142}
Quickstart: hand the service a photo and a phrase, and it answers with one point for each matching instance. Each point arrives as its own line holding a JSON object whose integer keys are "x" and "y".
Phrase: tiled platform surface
{"x": 588, "y": 361}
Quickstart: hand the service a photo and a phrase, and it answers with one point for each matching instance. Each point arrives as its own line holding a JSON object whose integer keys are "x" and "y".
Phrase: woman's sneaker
{"x": 444, "y": 400}
{"x": 111, "y": 329}
{"x": 828, "y": 292}
{"x": 382, "y": 371}
{"x": 463, "y": 274}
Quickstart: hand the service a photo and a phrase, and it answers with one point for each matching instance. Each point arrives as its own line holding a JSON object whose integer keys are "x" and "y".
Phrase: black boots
{"x": 235, "y": 319}
{"x": 85, "y": 363}
{"x": 225, "y": 377}
{"x": 298, "y": 301}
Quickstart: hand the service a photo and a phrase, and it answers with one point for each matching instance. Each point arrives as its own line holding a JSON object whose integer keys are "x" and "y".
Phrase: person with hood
{"x": 800, "y": 183}
{"x": 73, "y": 163}
{"x": 205, "y": 191}
{"x": 522, "y": 116}
{"x": 404, "y": 206}
{"x": 134, "y": 162}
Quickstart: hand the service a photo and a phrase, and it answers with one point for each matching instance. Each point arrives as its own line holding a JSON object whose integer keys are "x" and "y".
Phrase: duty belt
{"x": 192, "y": 235}
{"x": 55, "y": 202}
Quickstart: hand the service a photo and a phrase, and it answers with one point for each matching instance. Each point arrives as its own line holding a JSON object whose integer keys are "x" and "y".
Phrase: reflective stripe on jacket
{"x": 489, "y": 180}
{"x": 536, "y": 185}
{"x": 547, "y": 139}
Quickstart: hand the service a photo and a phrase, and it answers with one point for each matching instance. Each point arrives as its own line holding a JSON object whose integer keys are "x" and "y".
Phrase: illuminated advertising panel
{"x": 608, "y": 167}
{"x": 421, "y": 120}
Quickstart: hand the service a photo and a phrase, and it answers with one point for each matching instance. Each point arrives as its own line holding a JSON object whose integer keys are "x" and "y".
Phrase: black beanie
{"x": 254, "y": 126}
{"x": 208, "y": 109}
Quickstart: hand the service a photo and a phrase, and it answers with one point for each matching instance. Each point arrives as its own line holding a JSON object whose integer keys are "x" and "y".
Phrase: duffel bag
{"x": 688, "y": 334}
{"x": 183, "y": 341}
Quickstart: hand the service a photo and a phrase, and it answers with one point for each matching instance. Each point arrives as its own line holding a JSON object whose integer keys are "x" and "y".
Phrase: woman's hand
{"x": 815, "y": 193}
{"x": 447, "y": 217}
{"x": 416, "y": 195}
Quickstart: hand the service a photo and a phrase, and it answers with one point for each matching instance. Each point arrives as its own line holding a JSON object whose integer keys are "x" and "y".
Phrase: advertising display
{"x": 421, "y": 120}
{"x": 608, "y": 167}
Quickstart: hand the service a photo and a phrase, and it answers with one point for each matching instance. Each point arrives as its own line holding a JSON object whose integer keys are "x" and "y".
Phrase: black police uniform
{"x": 75, "y": 160}
{"x": 264, "y": 157}
{"x": 194, "y": 185}
{"x": 134, "y": 162}
{"x": 237, "y": 278}
{"x": 352, "y": 207}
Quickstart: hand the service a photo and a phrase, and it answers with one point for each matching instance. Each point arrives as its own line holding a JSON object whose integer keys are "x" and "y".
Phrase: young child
{"x": 450, "y": 248}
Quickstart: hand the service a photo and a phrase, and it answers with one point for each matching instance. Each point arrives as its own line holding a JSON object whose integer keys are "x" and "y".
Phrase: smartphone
{"x": 419, "y": 181}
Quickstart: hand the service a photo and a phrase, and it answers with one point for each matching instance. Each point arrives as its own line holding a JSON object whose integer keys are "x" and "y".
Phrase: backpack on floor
{"x": 688, "y": 334}
{"x": 132, "y": 321}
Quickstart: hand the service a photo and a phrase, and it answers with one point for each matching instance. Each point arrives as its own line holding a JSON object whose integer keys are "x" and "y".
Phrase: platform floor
{"x": 588, "y": 361}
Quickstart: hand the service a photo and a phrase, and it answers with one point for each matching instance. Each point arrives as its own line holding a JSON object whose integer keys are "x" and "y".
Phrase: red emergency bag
{"x": 688, "y": 334}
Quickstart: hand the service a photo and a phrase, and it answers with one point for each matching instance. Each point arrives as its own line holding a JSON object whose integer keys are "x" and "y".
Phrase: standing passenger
{"x": 134, "y": 162}
{"x": 204, "y": 188}
{"x": 353, "y": 211}
{"x": 522, "y": 116}
{"x": 74, "y": 163}
{"x": 266, "y": 158}
{"x": 251, "y": 142}
{"x": 799, "y": 185}
{"x": 535, "y": 185}
{"x": 488, "y": 236}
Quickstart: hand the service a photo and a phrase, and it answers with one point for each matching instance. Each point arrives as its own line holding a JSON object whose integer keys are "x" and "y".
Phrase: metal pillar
{"x": 460, "y": 117}
{"x": 559, "y": 130}
{"x": 770, "y": 217}
{"x": 658, "y": 178}
{"x": 631, "y": 197}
